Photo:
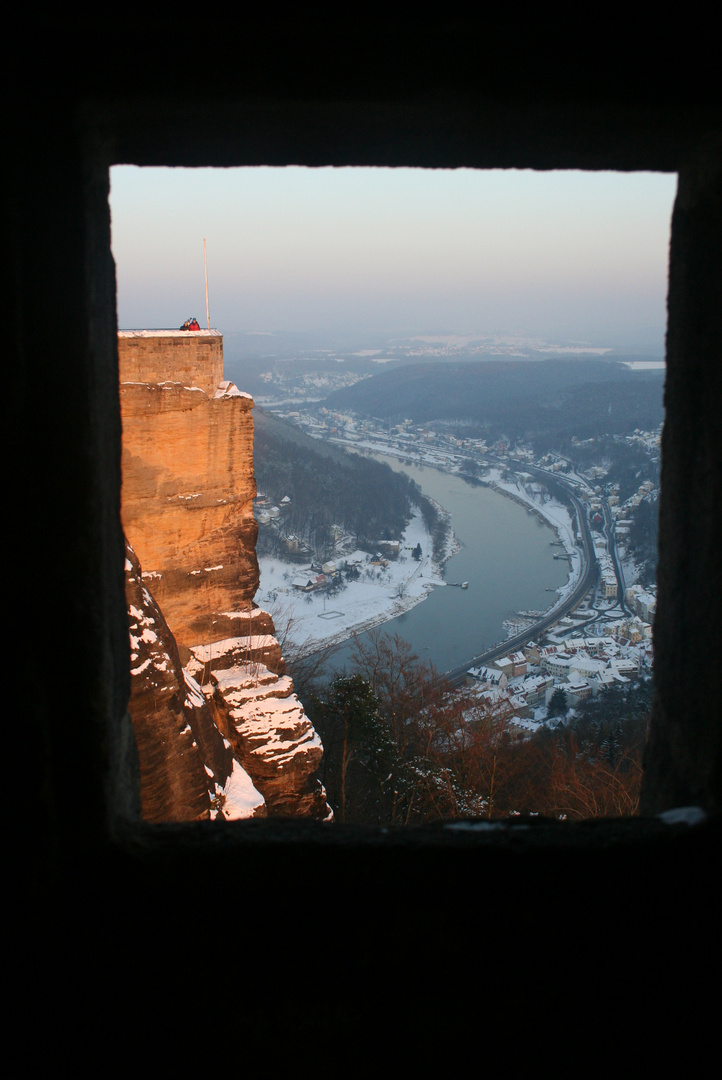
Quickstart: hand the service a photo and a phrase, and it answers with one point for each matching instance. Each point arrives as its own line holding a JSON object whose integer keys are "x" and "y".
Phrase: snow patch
{"x": 240, "y": 798}
{"x": 255, "y": 643}
{"x": 227, "y": 389}
{"x": 683, "y": 815}
{"x": 194, "y": 697}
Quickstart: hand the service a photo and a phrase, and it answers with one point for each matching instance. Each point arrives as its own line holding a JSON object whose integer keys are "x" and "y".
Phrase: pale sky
{"x": 570, "y": 255}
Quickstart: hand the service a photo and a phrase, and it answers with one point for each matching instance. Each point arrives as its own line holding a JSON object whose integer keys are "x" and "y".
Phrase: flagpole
{"x": 205, "y": 270}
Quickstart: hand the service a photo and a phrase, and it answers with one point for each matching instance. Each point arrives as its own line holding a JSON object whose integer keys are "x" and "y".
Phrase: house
{"x": 488, "y": 677}
{"x": 504, "y": 664}
{"x": 519, "y": 663}
{"x": 534, "y": 688}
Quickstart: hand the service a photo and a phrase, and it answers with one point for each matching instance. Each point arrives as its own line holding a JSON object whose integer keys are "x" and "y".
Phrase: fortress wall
{"x": 193, "y": 358}
{"x": 188, "y": 483}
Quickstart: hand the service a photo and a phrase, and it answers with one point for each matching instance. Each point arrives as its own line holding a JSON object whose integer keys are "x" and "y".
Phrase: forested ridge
{"x": 542, "y": 402}
{"x": 627, "y": 464}
{"x": 328, "y": 486}
{"x": 643, "y": 539}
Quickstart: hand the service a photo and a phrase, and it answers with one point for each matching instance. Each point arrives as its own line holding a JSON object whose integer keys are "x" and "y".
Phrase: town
{"x": 597, "y": 634}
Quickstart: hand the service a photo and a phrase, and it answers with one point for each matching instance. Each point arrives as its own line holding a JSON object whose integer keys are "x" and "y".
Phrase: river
{"x": 506, "y": 556}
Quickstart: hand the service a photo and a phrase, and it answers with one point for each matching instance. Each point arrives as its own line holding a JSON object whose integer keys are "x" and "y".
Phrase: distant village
{"x": 521, "y": 686}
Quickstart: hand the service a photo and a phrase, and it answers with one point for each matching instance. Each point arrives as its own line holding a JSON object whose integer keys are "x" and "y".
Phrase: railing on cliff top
{"x": 164, "y": 330}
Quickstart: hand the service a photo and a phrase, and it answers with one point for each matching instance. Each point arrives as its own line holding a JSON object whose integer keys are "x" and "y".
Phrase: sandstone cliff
{"x": 187, "y": 509}
{"x": 187, "y": 769}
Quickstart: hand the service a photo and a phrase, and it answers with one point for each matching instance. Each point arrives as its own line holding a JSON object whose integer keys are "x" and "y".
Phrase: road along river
{"x": 507, "y": 557}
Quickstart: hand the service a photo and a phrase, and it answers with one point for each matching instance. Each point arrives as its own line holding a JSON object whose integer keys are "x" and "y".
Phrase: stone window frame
{"x": 684, "y": 746}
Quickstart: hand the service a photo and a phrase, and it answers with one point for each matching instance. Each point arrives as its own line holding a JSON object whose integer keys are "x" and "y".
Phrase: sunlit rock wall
{"x": 188, "y": 490}
{"x": 187, "y": 510}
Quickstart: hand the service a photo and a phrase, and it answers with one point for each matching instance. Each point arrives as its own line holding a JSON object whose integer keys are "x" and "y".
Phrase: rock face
{"x": 187, "y": 510}
{"x": 188, "y": 489}
{"x": 265, "y": 724}
{"x": 187, "y": 768}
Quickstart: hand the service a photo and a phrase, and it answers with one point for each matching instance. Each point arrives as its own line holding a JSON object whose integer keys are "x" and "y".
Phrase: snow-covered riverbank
{"x": 313, "y": 620}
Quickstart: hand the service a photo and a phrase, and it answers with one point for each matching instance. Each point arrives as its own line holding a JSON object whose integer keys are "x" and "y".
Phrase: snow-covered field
{"x": 315, "y": 619}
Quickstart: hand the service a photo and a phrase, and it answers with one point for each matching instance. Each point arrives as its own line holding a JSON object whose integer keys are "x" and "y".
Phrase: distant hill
{"x": 545, "y": 402}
